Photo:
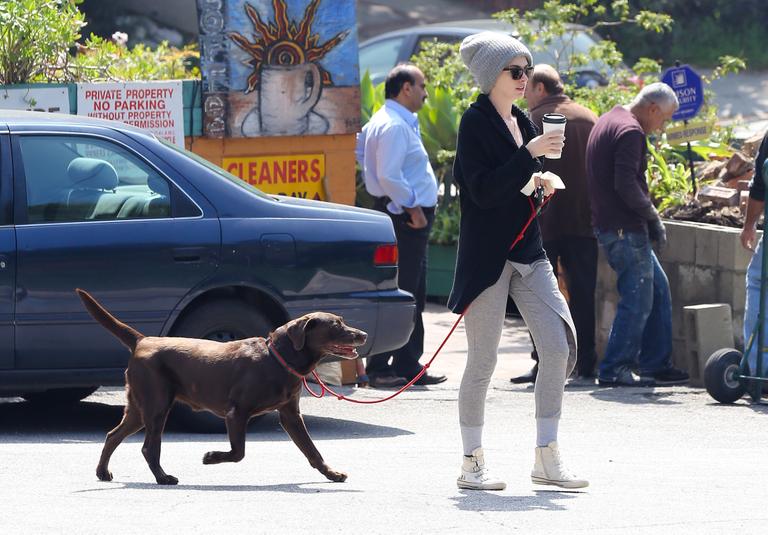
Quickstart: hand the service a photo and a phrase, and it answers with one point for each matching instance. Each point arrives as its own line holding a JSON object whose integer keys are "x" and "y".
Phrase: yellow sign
{"x": 689, "y": 132}
{"x": 295, "y": 175}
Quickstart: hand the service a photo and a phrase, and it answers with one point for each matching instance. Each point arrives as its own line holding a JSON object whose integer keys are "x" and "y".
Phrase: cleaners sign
{"x": 154, "y": 106}
{"x": 297, "y": 175}
{"x": 687, "y": 86}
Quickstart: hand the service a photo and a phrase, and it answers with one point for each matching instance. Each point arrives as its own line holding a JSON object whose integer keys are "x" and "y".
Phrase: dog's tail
{"x": 127, "y": 335}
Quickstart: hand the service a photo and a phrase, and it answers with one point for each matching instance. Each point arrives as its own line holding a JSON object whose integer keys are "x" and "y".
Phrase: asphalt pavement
{"x": 659, "y": 460}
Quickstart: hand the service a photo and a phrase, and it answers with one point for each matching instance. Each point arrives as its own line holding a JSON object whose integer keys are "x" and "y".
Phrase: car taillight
{"x": 385, "y": 255}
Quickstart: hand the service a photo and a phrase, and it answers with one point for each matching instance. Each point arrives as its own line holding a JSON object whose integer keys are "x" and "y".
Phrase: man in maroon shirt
{"x": 626, "y": 222}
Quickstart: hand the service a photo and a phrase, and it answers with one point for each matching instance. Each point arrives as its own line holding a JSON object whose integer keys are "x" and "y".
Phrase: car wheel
{"x": 222, "y": 321}
{"x": 60, "y": 396}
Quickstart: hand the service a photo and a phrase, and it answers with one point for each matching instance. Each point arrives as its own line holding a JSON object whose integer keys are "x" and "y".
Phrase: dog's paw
{"x": 167, "y": 480}
{"x": 103, "y": 474}
{"x": 338, "y": 477}
{"x": 212, "y": 457}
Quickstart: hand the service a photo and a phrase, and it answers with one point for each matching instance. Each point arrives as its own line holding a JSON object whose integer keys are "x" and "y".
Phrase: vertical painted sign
{"x": 213, "y": 66}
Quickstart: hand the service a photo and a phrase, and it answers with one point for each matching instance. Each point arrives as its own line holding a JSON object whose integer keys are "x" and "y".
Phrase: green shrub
{"x": 35, "y": 38}
{"x": 38, "y": 43}
{"x": 101, "y": 59}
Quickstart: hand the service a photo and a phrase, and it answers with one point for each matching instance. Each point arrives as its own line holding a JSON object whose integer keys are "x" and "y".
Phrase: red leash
{"x": 325, "y": 388}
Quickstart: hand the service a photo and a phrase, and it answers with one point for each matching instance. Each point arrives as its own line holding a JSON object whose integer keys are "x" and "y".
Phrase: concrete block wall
{"x": 704, "y": 264}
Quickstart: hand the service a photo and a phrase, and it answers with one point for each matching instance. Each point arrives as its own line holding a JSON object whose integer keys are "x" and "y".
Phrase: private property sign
{"x": 154, "y": 106}
{"x": 295, "y": 175}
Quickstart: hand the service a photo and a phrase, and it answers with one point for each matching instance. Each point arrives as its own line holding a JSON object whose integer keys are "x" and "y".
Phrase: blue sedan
{"x": 172, "y": 245}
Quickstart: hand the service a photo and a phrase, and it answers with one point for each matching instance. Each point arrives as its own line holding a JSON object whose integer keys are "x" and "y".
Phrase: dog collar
{"x": 274, "y": 352}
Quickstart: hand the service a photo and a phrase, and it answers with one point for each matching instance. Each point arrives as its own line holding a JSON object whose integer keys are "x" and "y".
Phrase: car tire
{"x": 221, "y": 321}
{"x": 60, "y": 396}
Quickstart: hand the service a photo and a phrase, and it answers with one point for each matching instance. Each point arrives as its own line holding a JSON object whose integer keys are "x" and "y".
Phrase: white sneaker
{"x": 474, "y": 474}
{"x": 549, "y": 470}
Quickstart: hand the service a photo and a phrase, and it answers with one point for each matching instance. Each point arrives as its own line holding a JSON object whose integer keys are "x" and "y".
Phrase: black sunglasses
{"x": 517, "y": 72}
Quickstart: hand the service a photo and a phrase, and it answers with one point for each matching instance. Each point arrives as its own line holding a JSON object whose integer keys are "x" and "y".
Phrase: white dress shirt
{"x": 394, "y": 161}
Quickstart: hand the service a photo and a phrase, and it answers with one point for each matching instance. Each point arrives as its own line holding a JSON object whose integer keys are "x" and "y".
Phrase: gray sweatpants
{"x": 537, "y": 296}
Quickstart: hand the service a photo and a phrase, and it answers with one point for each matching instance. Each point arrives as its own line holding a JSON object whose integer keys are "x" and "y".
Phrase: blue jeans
{"x": 752, "y": 308}
{"x": 641, "y": 335}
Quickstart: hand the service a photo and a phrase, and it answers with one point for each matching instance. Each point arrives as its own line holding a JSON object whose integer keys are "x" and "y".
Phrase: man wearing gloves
{"x": 626, "y": 222}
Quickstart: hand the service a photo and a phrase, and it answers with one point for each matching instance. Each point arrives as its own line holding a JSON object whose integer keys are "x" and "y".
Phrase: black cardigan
{"x": 490, "y": 170}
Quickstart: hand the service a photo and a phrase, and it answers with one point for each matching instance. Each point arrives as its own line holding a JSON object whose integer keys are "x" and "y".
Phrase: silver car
{"x": 379, "y": 54}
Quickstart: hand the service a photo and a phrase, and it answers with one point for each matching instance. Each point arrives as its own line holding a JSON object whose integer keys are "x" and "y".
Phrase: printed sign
{"x": 687, "y": 85}
{"x": 154, "y": 106}
{"x": 48, "y": 99}
{"x": 690, "y": 132}
{"x": 296, "y": 175}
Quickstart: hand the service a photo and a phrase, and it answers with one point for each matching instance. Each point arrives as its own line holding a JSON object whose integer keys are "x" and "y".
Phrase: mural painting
{"x": 291, "y": 67}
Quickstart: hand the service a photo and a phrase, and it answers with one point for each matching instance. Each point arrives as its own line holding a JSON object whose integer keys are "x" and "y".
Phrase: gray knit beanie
{"x": 486, "y": 53}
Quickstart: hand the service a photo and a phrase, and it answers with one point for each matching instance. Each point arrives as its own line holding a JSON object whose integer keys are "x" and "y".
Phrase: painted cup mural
{"x": 292, "y": 68}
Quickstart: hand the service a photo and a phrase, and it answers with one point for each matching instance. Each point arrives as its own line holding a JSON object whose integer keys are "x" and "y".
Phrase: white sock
{"x": 546, "y": 431}
{"x": 471, "y": 438}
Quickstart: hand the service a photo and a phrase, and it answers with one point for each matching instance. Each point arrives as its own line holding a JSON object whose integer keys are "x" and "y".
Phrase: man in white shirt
{"x": 398, "y": 174}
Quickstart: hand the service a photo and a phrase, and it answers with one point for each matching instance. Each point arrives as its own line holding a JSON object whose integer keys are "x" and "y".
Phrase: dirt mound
{"x": 706, "y": 212}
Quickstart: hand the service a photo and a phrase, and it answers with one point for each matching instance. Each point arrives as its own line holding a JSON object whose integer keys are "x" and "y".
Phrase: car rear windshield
{"x": 216, "y": 169}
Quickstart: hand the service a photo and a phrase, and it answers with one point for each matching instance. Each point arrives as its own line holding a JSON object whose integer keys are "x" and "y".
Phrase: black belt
{"x": 380, "y": 204}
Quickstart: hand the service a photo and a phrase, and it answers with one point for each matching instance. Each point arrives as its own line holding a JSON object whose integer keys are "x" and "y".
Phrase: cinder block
{"x": 681, "y": 243}
{"x": 679, "y": 359}
{"x": 678, "y": 331}
{"x": 719, "y": 195}
{"x": 730, "y": 254}
{"x": 706, "y": 246}
{"x": 697, "y": 285}
{"x": 731, "y": 288}
{"x": 707, "y": 329}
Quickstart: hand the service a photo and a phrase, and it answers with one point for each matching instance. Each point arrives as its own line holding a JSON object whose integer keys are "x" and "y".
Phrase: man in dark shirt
{"x": 626, "y": 222}
{"x": 755, "y": 207}
{"x": 565, "y": 224}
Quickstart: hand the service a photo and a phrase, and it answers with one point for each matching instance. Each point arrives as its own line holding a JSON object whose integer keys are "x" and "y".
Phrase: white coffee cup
{"x": 553, "y": 122}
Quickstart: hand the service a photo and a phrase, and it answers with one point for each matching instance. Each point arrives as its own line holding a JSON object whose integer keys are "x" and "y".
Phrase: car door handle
{"x": 189, "y": 255}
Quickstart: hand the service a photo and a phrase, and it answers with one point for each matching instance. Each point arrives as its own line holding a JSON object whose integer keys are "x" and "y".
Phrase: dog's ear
{"x": 297, "y": 332}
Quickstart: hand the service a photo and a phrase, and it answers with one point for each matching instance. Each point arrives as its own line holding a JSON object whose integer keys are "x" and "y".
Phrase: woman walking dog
{"x": 496, "y": 156}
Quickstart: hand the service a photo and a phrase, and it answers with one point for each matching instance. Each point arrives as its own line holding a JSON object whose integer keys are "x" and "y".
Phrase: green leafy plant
{"x": 669, "y": 183}
{"x": 445, "y": 230}
{"x": 103, "y": 59}
{"x": 35, "y": 38}
{"x": 39, "y": 43}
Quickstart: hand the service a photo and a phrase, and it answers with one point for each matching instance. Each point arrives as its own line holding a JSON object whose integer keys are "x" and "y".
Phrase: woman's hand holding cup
{"x": 548, "y": 143}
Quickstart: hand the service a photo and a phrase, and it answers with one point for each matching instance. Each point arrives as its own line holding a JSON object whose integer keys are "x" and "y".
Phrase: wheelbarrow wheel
{"x": 721, "y": 376}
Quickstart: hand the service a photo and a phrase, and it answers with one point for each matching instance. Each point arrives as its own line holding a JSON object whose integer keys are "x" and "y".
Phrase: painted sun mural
{"x": 291, "y": 67}
{"x": 284, "y": 41}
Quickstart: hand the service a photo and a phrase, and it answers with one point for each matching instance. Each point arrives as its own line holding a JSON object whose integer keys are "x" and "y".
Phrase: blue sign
{"x": 690, "y": 93}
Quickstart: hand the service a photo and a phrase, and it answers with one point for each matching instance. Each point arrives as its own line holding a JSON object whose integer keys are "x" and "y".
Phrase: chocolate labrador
{"x": 235, "y": 380}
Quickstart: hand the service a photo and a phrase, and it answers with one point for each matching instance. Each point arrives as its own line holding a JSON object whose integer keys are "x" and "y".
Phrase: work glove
{"x": 657, "y": 233}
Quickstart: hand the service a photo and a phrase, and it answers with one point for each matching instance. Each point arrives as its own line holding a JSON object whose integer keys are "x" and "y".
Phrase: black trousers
{"x": 412, "y": 277}
{"x": 578, "y": 256}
